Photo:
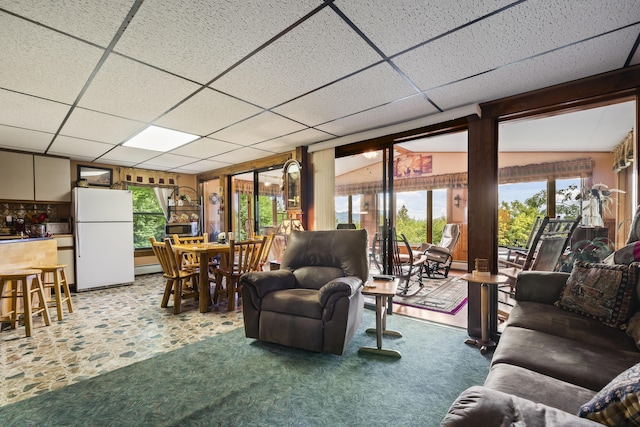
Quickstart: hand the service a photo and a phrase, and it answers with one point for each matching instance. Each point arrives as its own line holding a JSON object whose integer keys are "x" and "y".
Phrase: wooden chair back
{"x": 180, "y": 282}
{"x": 266, "y": 249}
{"x": 190, "y": 260}
{"x": 243, "y": 257}
{"x": 246, "y": 254}
{"x": 160, "y": 253}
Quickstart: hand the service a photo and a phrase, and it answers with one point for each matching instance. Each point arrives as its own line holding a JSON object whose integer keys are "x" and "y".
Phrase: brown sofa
{"x": 314, "y": 301}
{"x": 550, "y": 360}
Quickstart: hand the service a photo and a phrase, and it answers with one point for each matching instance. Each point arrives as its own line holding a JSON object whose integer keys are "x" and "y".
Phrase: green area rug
{"x": 230, "y": 380}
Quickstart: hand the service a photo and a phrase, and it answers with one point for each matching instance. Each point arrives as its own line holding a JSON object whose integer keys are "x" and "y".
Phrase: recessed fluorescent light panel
{"x": 160, "y": 139}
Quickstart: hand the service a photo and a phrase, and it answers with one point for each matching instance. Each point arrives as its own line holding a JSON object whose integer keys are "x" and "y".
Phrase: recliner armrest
{"x": 540, "y": 286}
{"x": 268, "y": 281}
{"x": 346, "y": 286}
{"x": 482, "y": 406}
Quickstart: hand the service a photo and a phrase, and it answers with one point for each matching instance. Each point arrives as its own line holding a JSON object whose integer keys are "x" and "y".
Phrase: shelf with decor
{"x": 184, "y": 212}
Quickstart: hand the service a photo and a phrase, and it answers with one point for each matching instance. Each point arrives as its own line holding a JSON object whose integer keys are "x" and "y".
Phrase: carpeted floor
{"x": 442, "y": 295}
{"x": 229, "y": 380}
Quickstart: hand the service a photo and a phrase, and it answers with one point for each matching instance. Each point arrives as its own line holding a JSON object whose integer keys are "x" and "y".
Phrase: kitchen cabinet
{"x": 52, "y": 179}
{"x": 34, "y": 178}
{"x": 66, "y": 255}
{"x": 16, "y": 174}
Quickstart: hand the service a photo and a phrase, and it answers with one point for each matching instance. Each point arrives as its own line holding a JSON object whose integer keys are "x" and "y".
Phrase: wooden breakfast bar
{"x": 19, "y": 254}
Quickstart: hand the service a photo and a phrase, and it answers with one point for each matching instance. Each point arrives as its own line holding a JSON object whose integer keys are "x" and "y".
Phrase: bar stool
{"x": 22, "y": 284}
{"x": 54, "y": 277}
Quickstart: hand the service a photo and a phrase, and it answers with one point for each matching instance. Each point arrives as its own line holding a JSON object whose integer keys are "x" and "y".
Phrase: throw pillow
{"x": 618, "y": 403}
{"x": 600, "y": 291}
{"x": 633, "y": 328}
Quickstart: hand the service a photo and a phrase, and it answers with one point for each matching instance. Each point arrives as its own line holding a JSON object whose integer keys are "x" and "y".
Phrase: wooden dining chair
{"x": 243, "y": 257}
{"x": 266, "y": 249}
{"x": 182, "y": 283}
{"x": 190, "y": 260}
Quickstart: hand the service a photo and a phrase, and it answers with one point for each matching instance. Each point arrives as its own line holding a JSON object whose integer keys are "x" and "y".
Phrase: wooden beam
{"x": 482, "y": 160}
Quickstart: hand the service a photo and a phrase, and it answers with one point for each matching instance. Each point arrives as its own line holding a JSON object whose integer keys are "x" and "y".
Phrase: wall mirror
{"x": 292, "y": 184}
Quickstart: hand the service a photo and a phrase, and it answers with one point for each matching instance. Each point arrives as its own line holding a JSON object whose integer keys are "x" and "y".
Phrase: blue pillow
{"x": 618, "y": 403}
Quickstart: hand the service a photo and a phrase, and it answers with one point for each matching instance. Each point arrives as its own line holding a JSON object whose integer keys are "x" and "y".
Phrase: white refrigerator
{"x": 103, "y": 228}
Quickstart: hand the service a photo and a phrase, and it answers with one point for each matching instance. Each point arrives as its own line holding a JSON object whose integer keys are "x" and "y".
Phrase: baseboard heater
{"x": 147, "y": 269}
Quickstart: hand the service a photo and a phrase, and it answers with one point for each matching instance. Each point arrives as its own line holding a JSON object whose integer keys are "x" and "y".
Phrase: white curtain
{"x": 324, "y": 174}
{"x": 162, "y": 194}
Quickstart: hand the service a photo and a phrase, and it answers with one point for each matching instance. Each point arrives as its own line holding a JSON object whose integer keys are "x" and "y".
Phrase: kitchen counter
{"x": 14, "y": 239}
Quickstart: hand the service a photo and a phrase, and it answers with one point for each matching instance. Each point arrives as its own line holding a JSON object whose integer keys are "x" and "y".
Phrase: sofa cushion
{"x": 554, "y": 321}
{"x": 600, "y": 291}
{"x": 586, "y": 365}
{"x": 618, "y": 403}
{"x": 537, "y": 387}
{"x": 298, "y": 302}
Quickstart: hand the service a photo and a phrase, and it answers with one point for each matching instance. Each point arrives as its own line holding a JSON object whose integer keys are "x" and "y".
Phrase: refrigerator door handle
{"x": 78, "y": 249}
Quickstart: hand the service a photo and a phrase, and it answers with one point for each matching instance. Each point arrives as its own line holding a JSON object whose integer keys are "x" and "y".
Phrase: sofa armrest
{"x": 540, "y": 286}
{"x": 482, "y": 406}
{"x": 342, "y": 286}
{"x": 264, "y": 282}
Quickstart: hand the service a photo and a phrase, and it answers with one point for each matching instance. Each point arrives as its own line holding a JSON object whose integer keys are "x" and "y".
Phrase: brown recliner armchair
{"x": 314, "y": 301}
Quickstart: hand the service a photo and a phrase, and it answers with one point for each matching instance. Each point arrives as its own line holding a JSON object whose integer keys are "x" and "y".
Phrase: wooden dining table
{"x": 204, "y": 251}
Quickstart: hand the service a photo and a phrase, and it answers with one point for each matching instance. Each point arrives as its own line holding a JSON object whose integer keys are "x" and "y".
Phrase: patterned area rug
{"x": 443, "y": 295}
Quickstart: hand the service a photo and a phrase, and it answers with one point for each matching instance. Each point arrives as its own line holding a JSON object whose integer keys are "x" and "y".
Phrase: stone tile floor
{"x": 109, "y": 329}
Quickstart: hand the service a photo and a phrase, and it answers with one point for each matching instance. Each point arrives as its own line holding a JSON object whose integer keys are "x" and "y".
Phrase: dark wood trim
{"x": 263, "y": 163}
{"x": 599, "y": 88}
{"x": 482, "y": 199}
{"x": 386, "y": 141}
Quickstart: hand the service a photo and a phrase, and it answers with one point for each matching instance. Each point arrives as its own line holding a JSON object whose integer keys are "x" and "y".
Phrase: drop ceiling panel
{"x": 322, "y": 49}
{"x": 40, "y": 62}
{"x": 207, "y": 112}
{"x": 574, "y": 62}
{"x": 93, "y": 20}
{"x": 167, "y": 161}
{"x": 200, "y": 167}
{"x": 99, "y": 127}
{"x": 129, "y": 89}
{"x": 201, "y": 39}
{"x": 521, "y": 32}
{"x": 257, "y": 129}
{"x": 404, "y": 110}
{"x": 23, "y": 139}
{"x": 205, "y": 147}
{"x": 367, "y": 89}
{"x": 291, "y": 141}
{"x": 401, "y": 24}
{"x": 244, "y": 154}
{"x": 32, "y": 113}
{"x": 128, "y": 156}
{"x": 72, "y": 147}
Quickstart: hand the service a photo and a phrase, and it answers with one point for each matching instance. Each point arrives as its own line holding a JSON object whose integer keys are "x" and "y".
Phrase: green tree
{"x": 516, "y": 218}
{"x": 415, "y": 230}
{"x": 148, "y": 218}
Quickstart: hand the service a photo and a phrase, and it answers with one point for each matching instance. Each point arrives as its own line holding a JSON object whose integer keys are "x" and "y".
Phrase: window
{"x": 148, "y": 218}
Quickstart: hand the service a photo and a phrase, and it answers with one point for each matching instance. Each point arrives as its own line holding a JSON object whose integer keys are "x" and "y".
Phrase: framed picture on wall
{"x": 100, "y": 177}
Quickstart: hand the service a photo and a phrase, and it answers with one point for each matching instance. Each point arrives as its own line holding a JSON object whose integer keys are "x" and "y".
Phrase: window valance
{"x": 623, "y": 153}
{"x": 575, "y": 168}
{"x": 148, "y": 177}
{"x": 563, "y": 169}
{"x": 246, "y": 187}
